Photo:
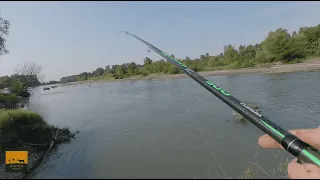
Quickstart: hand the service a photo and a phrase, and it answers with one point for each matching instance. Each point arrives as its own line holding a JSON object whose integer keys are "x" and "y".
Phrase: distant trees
{"x": 29, "y": 74}
{"x": 50, "y": 82}
{"x": 131, "y": 68}
{"x": 99, "y": 71}
{"x": 279, "y": 45}
{"x": 26, "y": 75}
{"x": 4, "y": 31}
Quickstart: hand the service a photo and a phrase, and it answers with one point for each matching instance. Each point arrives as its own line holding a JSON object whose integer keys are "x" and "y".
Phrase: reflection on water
{"x": 171, "y": 128}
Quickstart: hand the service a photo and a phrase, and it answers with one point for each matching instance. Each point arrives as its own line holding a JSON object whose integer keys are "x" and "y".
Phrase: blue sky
{"x": 68, "y": 38}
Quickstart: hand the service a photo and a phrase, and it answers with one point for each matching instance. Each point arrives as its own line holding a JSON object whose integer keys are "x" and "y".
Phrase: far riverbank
{"x": 307, "y": 65}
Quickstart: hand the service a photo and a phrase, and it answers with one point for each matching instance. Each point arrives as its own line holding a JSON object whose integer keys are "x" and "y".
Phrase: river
{"x": 172, "y": 128}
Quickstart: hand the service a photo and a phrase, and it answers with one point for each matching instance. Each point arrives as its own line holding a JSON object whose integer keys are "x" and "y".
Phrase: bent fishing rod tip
{"x": 123, "y": 32}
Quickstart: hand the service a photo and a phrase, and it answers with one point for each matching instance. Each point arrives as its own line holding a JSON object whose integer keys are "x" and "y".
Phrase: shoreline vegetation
{"x": 281, "y": 51}
{"x": 21, "y": 129}
{"x": 312, "y": 64}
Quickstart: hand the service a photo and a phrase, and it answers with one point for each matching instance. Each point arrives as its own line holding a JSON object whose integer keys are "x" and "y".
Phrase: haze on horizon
{"x": 68, "y": 38}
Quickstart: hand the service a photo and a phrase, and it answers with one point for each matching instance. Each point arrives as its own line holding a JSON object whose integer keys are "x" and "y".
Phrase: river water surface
{"x": 171, "y": 128}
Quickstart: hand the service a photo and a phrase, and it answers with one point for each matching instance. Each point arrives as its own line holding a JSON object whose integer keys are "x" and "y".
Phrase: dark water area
{"x": 172, "y": 128}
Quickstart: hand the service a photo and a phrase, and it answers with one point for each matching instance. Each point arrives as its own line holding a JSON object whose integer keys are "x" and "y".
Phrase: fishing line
{"x": 209, "y": 147}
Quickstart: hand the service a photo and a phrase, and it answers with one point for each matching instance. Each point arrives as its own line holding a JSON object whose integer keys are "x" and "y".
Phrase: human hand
{"x": 296, "y": 170}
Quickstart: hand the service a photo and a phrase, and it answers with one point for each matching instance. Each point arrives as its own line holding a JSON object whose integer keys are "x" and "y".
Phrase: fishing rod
{"x": 304, "y": 152}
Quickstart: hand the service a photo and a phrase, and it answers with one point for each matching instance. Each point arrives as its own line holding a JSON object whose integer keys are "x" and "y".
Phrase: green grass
{"x": 9, "y": 98}
{"x": 254, "y": 171}
{"x": 25, "y": 126}
{"x": 19, "y": 117}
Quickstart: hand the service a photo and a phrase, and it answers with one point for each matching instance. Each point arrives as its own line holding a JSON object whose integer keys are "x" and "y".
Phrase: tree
{"x": 131, "y": 68}
{"x": 4, "y": 31}
{"x": 89, "y": 75}
{"x": 107, "y": 70}
{"x": 202, "y": 57}
{"x": 147, "y": 69}
{"x": 294, "y": 33}
{"x": 95, "y": 74}
{"x": 29, "y": 74}
{"x": 113, "y": 69}
{"x": 121, "y": 70}
{"x": 231, "y": 53}
{"x": 313, "y": 35}
{"x": 100, "y": 71}
{"x": 280, "y": 45}
{"x": 247, "y": 52}
{"x": 276, "y": 44}
{"x": 212, "y": 61}
{"x": 173, "y": 70}
{"x": 83, "y": 76}
{"x": 207, "y": 56}
{"x": 296, "y": 48}
{"x": 147, "y": 61}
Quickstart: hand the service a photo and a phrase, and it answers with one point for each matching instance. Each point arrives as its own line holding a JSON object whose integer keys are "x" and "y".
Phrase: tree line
{"x": 279, "y": 45}
{"x": 26, "y": 76}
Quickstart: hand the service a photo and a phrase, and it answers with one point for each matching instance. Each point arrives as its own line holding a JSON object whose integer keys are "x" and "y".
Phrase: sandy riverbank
{"x": 308, "y": 65}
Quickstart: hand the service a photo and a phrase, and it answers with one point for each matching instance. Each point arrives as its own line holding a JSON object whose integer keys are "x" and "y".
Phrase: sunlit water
{"x": 171, "y": 128}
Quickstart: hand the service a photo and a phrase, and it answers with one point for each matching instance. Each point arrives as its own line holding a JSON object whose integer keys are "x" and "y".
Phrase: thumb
{"x": 296, "y": 170}
{"x": 303, "y": 171}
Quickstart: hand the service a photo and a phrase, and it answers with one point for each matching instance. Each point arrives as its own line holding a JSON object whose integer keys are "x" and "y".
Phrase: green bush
{"x": 234, "y": 65}
{"x": 247, "y": 64}
{"x": 173, "y": 70}
{"x": 144, "y": 73}
{"x": 23, "y": 93}
{"x": 12, "y": 99}
{"x": 2, "y": 85}
{"x": 16, "y": 86}
{"x": 115, "y": 76}
{"x": 262, "y": 57}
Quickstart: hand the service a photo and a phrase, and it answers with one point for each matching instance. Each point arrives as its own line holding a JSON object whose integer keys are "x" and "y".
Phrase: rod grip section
{"x": 303, "y": 151}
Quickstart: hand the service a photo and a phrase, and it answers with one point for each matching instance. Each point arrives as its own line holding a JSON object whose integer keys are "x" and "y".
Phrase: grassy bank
{"x": 9, "y": 101}
{"x": 28, "y": 131}
{"x": 21, "y": 126}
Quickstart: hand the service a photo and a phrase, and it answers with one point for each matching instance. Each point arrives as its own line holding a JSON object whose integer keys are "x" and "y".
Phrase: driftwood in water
{"x": 62, "y": 135}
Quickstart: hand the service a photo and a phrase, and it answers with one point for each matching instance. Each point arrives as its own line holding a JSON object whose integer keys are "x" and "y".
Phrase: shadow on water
{"x": 171, "y": 128}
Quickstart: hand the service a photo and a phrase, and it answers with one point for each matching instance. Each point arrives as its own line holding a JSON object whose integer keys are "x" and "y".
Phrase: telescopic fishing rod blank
{"x": 303, "y": 151}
